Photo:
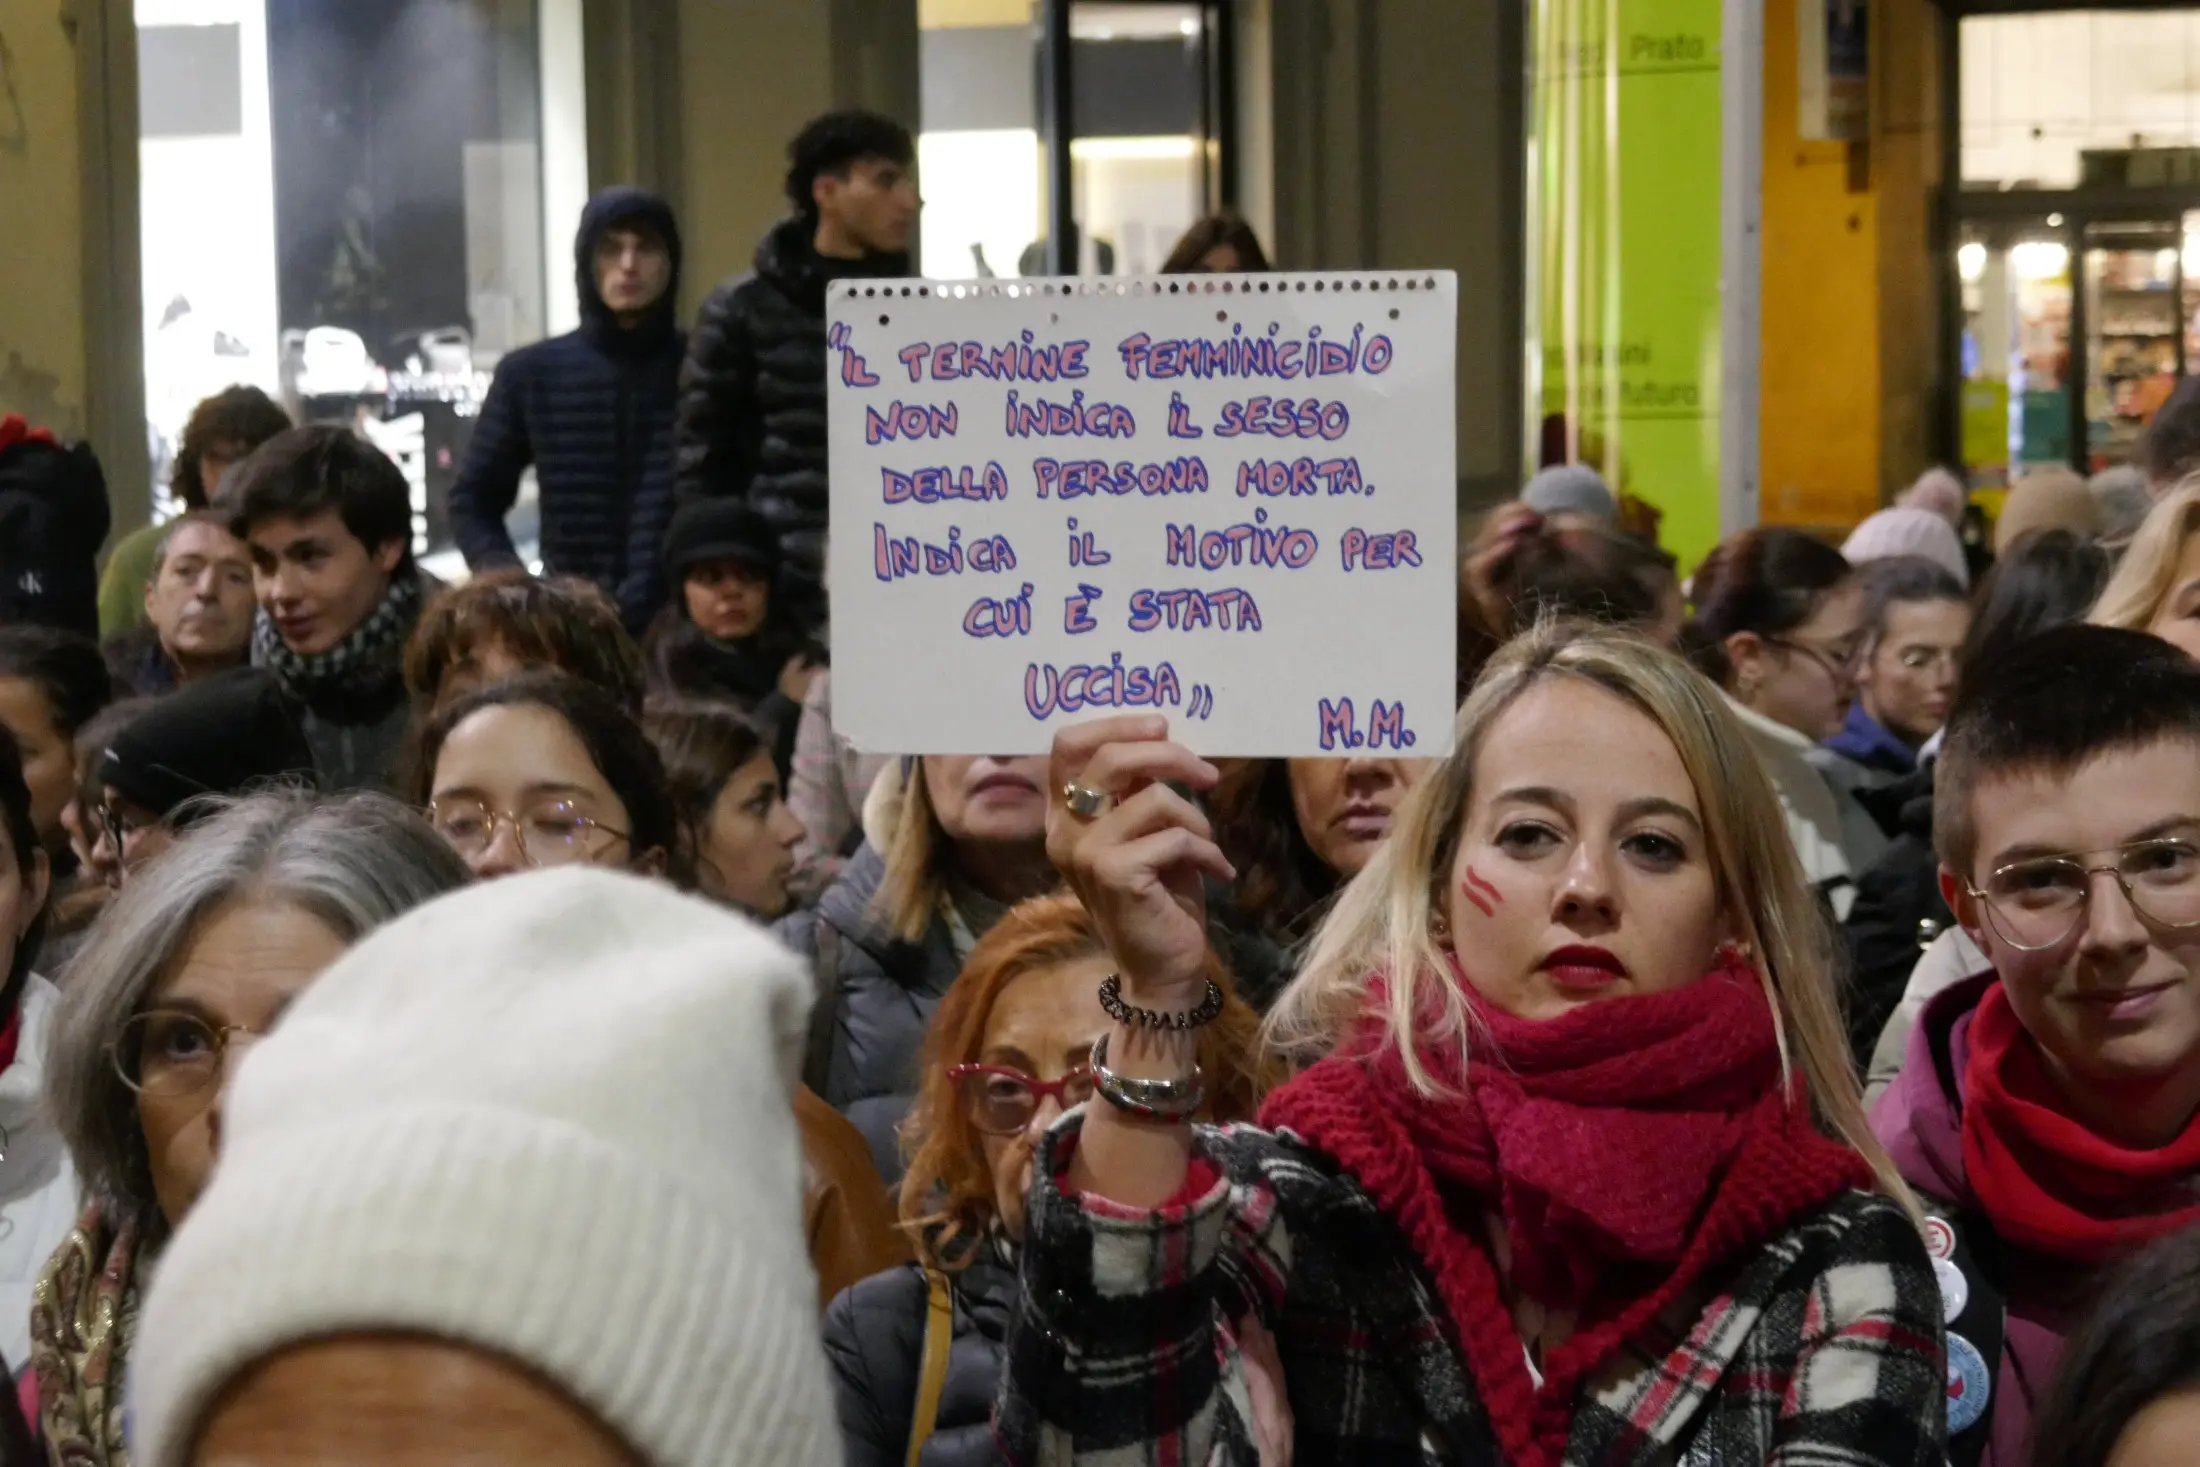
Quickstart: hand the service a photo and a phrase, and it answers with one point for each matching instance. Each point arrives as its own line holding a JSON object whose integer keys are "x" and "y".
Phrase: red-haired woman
{"x": 1007, "y": 1052}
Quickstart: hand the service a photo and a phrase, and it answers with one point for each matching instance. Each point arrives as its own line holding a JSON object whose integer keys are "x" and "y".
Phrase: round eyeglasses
{"x": 168, "y": 1053}
{"x": 549, "y": 833}
{"x": 1925, "y": 659}
{"x": 1838, "y": 663}
{"x": 1002, "y": 1101}
{"x": 2040, "y": 903}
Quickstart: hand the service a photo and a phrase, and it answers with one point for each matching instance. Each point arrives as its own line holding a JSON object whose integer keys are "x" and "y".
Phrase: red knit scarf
{"x": 2047, "y": 1183}
{"x": 1631, "y": 1146}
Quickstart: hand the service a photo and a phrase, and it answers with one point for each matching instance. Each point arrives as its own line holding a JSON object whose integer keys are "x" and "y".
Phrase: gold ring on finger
{"x": 1084, "y": 801}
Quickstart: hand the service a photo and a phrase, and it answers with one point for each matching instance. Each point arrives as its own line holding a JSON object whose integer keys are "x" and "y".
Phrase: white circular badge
{"x": 1940, "y": 1238}
{"x": 1955, "y": 1292}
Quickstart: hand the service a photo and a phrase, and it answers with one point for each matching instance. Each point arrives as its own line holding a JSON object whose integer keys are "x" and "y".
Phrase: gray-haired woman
{"x": 196, "y": 959}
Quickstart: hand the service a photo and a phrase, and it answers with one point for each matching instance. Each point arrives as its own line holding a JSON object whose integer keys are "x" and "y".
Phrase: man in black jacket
{"x": 752, "y": 395}
{"x": 593, "y": 411}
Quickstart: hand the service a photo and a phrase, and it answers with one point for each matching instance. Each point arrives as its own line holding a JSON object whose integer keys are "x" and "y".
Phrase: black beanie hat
{"x": 705, "y": 530}
{"x": 228, "y": 735}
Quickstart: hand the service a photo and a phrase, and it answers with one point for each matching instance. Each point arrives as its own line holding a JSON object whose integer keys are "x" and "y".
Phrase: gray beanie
{"x": 1570, "y": 489}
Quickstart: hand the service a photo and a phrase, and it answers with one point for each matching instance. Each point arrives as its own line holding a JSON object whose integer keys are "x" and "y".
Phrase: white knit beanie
{"x": 550, "y": 1116}
{"x": 1893, "y": 532}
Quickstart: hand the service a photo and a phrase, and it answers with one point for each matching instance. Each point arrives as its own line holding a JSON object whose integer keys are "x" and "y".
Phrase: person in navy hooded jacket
{"x": 593, "y": 412}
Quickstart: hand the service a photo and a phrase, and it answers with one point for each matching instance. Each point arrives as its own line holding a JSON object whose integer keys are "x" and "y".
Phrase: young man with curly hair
{"x": 221, "y": 431}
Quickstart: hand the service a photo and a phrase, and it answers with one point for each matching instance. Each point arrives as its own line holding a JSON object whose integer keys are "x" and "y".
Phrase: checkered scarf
{"x": 363, "y": 667}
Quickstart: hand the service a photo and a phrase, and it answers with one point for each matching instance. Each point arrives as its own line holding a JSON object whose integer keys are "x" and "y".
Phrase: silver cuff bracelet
{"x": 1152, "y": 1100}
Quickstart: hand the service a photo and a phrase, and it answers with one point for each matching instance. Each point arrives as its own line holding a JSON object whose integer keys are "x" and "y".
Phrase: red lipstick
{"x": 1581, "y": 967}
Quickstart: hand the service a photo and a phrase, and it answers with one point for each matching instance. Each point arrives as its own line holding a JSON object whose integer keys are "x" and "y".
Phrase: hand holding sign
{"x": 1138, "y": 863}
{"x": 1226, "y": 500}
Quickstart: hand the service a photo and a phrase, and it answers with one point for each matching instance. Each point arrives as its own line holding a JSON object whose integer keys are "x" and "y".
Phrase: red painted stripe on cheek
{"x": 1473, "y": 888}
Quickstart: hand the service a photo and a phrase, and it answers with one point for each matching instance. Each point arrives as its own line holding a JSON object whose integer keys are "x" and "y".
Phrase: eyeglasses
{"x": 552, "y": 833}
{"x": 1839, "y": 662}
{"x": 1918, "y": 659}
{"x": 1001, "y": 1102}
{"x": 2039, "y": 903}
{"x": 168, "y": 1053}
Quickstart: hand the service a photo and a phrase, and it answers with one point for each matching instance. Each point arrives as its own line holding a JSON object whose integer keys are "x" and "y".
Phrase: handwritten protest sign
{"x": 1226, "y": 499}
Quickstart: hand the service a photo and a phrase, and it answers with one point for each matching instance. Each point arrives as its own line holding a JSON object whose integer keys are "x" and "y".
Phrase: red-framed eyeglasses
{"x": 1001, "y": 1101}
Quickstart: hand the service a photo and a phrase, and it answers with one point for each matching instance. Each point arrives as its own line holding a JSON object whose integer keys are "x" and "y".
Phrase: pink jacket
{"x": 1919, "y": 1119}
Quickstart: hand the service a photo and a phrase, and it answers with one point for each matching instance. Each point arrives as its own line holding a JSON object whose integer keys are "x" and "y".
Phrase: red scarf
{"x": 1632, "y": 1146}
{"x": 2048, "y": 1184}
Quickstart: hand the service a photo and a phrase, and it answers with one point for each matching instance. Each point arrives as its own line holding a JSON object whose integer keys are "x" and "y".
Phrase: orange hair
{"x": 947, "y": 1194}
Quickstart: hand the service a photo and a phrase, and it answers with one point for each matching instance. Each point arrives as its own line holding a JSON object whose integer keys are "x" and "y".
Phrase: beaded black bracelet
{"x": 1111, "y": 999}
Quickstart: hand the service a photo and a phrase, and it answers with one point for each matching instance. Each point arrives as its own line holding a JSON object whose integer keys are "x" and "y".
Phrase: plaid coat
{"x": 1825, "y": 1350}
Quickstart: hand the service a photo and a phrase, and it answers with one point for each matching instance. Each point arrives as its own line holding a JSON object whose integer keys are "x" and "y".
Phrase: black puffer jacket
{"x": 886, "y": 990}
{"x": 874, "y": 1342}
{"x": 593, "y": 412}
{"x": 1897, "y": 911}
{"x": 752, "y": 395}
{"x": 53, "y": 517}
{"x": 745, "y": 673}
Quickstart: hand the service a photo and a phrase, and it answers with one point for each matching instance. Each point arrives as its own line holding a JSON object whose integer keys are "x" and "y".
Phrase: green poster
{"x": 1624, "y": 216}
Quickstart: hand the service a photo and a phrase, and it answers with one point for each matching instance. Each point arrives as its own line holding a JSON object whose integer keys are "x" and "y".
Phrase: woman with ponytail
{"x": 1576, "y": 1170}
{"x": 1779, "y": 625}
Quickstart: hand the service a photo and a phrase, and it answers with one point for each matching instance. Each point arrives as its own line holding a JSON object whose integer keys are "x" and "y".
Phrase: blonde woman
{"x": 892, "y": 931}
{"x": 1578, "y": 1171}
{"x": 2156, "y": 587}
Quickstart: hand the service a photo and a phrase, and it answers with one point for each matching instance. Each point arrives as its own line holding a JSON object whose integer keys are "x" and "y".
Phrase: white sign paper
{"x": 1226, "y": 499}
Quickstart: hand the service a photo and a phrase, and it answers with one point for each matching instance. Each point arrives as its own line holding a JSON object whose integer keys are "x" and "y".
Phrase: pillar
{"x": 1397, "y": 130}
{"x": 1908, "y": 150}
{"x": 1819, "y": 370}
{"x": 69, "y": 311}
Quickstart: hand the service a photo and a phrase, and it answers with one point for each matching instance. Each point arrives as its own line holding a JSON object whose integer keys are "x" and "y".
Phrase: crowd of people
{"x": 1770, "y": 1034}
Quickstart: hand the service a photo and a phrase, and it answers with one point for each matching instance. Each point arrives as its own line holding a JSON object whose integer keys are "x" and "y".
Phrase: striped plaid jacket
{"x": 1825, "y": 1350}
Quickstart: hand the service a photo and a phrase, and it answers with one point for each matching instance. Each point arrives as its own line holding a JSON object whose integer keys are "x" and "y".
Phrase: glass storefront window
{"x": 343, "y": 204}
{"x": 1144, "y": 153}
{"x": 2133, "y": 332}
{"x": 2053, "y": 101}
{"x": 979, "y": 158}
{"x": 2016, "y": 351}
{"x": 1141, "y": 156}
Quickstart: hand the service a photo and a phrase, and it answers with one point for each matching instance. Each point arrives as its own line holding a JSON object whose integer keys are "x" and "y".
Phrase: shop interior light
{"x": 2039, "y": 259}
{"x": 1142, "y": 20}
{"x": 1133, "y": 149}
{"x": 2192, "y": 254}
{"x": 1971, "y": 262}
